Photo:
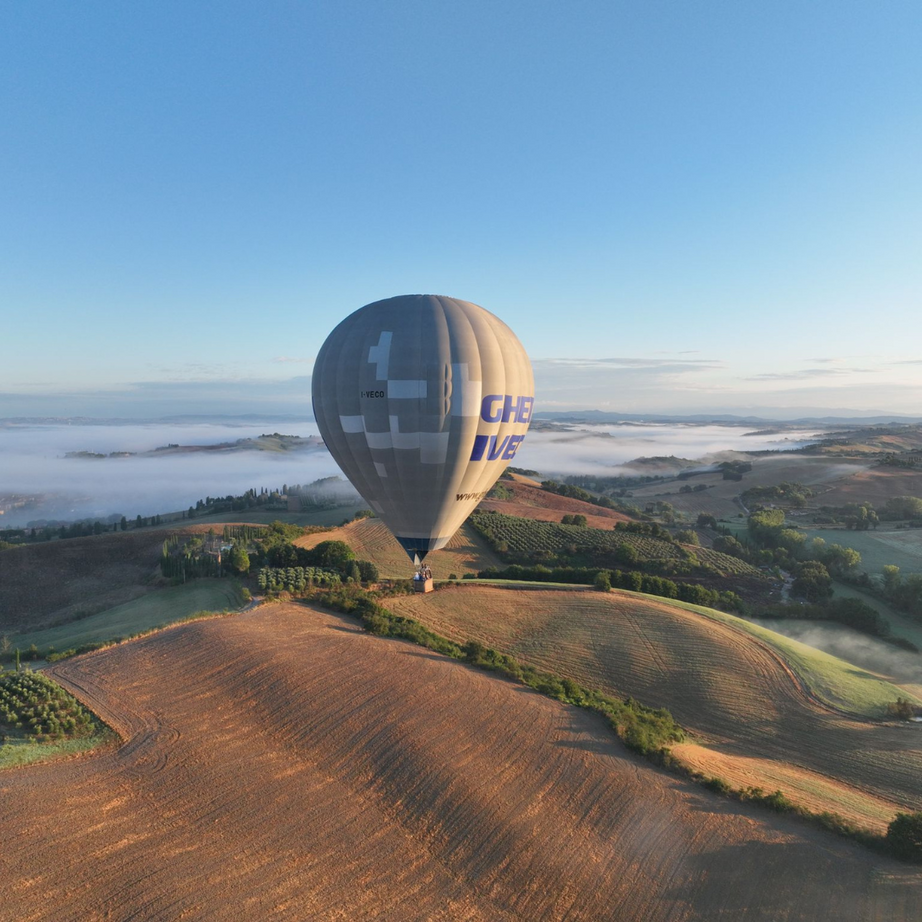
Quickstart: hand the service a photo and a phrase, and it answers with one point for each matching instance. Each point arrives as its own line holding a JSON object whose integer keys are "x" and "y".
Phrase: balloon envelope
{"x": 423, "y": 401}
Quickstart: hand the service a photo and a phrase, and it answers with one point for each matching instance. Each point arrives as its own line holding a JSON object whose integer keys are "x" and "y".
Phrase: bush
{"x": 904, "y": 836}
{"x": 367, "y": 571}
{"x": 602, "y": 581}
{"x": 901, "y": 709}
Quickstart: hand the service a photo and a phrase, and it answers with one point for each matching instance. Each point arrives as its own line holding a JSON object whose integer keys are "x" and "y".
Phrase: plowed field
{"x": 370, "y": 539}
{"x": 280, "y": 764}
{"x": 55, "y": 580}
{"x": 730, "y": 689}
{"x": 875, "y": 486}
{"x": 534, "y": 503}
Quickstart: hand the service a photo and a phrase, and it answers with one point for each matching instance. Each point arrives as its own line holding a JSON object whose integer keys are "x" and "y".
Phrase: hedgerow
{"x": 647, "y": 731}
{"x": 633, "y": 580}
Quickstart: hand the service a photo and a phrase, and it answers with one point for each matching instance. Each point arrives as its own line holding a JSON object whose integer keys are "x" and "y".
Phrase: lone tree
{"x": 239, "y": 559}
{"x": 904, "y": 836}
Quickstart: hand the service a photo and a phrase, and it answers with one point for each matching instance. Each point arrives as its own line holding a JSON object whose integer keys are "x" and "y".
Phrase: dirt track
{"x": 280, "y": 764}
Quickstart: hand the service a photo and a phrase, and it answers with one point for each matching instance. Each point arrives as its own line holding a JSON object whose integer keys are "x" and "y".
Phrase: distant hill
{"x": 604, "y": 416}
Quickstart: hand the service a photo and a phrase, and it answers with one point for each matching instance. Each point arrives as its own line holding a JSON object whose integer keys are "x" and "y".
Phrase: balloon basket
{"x": 423, "y": 585}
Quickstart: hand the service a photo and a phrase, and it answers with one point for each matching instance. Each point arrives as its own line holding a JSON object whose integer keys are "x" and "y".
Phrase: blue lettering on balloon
{"x": 480, "y": 446}
{"x": 506, "y": 408}
{"x": 486, "y": 408}
{"x": 513, "y": 447}
{"x": 495, "y": 452}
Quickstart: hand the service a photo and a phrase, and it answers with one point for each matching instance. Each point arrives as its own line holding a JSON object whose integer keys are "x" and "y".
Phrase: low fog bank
{"x": 32, "y": 460}
{"x": 899, "y": 666}
{"x": 606, "y": 449}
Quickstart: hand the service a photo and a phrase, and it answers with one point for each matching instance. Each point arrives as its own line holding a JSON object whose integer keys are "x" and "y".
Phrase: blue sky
{"x": 678, "y": 207}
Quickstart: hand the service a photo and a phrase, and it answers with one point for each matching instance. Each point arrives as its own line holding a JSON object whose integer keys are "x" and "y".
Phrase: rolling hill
{"x": 733, "y": 690}
{"x": 370, "y": 539}
{"x": 283, "y": 764}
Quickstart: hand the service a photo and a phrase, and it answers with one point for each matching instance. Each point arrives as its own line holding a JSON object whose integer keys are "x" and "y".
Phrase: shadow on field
{"x": 741, "y": 881}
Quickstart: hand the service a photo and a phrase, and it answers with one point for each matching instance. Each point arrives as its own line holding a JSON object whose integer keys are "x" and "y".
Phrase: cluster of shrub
{"x": 792, "y": 493}
{"x": 650, "y": 529}
{"x": 34, "y": 705}
{"x": 574, "y": 492}
{"x": 904, "y": 593}
{"x": 633, "y": 545}
{"x": 633, "y": 580}
{"x": 609, "y": 484}
{"x": 770, "y": 542}
{"x": 185, "y": 558}
{"x": 299, "y": 580}
{"x": 326, "y": 564}
{"x": 903, "y": 839}
{"x": 251, "y": 499}
{"x": 862, "y": 516}
{"x": 904, "y": 461}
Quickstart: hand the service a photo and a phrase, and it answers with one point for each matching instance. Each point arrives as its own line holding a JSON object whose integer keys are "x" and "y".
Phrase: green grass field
{"x": 24, "y": 752}
{"x": 878, "y": 548}
{"x": 901, "y": 625}
{"x": 155, "y": 609}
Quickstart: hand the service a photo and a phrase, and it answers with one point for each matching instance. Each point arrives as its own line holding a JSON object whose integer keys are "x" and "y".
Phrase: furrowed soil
{"x": 54, "y": 581}
{"x": 282, "y": 764}
{"x": 875, "y": 486}
{"x": 732, "y": 691}
{"x": 48, "y": 584}
{"x": 532, "y": 502}
{"x": 371, "y": 540}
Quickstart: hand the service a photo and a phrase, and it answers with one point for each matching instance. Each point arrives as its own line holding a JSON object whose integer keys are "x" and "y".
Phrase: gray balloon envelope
{"x": 422, "y": 401}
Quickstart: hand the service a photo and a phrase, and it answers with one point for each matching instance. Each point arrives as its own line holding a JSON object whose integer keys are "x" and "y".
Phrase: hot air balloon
{"x": 423, "y": 401}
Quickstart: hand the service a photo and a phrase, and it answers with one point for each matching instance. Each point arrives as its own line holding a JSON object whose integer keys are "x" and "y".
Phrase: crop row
{"x": 525, "y": 536}
{"x": 33, "y": 704}
{"x": 295, "y": 579}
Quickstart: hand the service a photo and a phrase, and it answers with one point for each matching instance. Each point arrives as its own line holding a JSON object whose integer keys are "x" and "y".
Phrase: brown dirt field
{"x": 371, "y": 540}
{"x": 819, "y": 472}
{"x": 808, "y": 789}
{"x": 722, "y": 684}
{"x": 54, "y": 580}
{"x": 342, "y": 776}
{"x": 875, "y": 486}
{"x": 531, "y": 502}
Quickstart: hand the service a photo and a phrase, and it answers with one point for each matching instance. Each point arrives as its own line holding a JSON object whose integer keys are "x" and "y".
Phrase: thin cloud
{"x": 631, "y": 363}
{"x": 807, "y": 373}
